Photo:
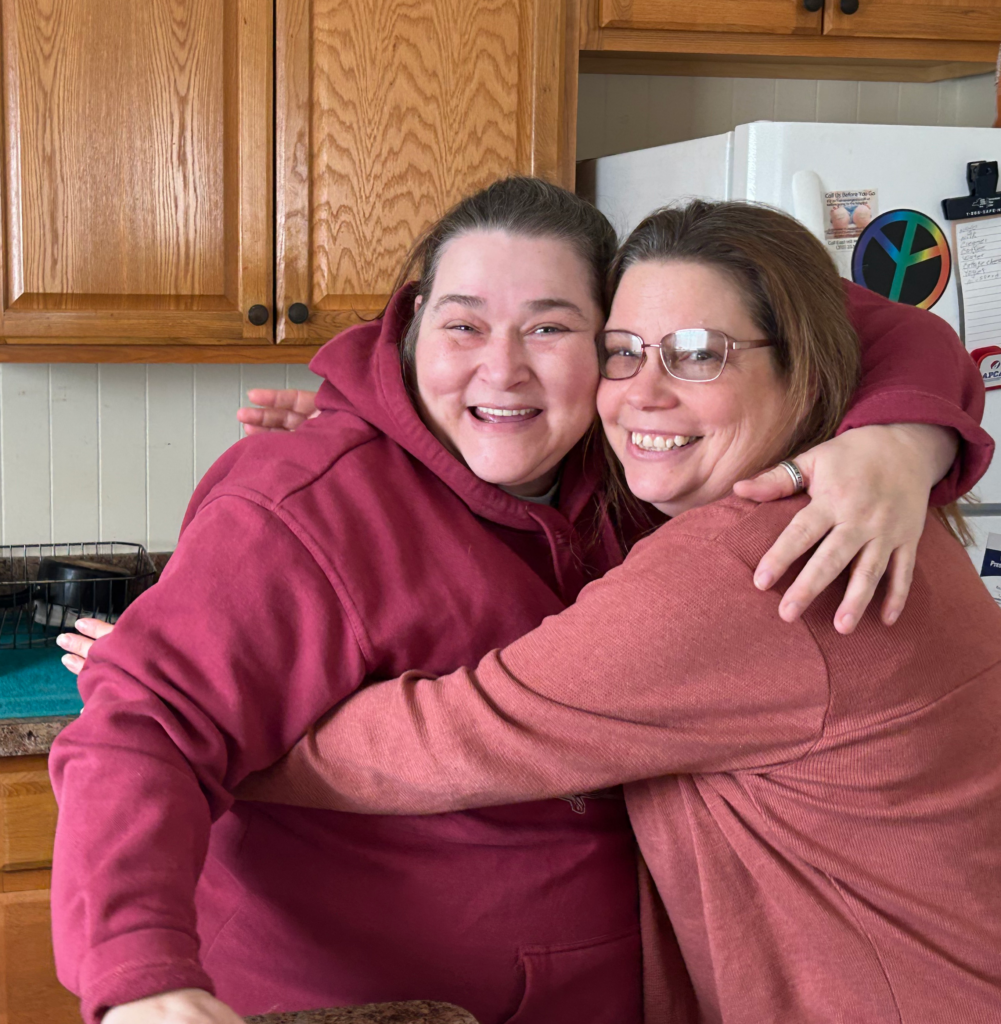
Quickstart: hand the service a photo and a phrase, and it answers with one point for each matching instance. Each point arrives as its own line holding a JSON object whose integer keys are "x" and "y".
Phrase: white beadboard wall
{"x": 617, "y": 113}
{"x": 113, "y": 452}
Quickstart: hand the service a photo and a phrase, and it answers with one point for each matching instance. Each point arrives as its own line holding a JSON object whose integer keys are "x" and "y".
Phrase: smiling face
{"x": 505, "y": 363}
{"x": 682, "y": 443}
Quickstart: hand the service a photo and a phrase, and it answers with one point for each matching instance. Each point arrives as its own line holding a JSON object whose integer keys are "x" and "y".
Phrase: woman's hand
{"x": 281, "y": 410}
{"x": 869, "y": 489}
{"x": 78, "y": 644}
{"x": 185, "y": 1006}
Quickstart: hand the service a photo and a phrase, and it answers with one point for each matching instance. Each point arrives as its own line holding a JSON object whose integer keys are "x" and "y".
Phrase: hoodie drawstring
{"x": 554, "y": 549}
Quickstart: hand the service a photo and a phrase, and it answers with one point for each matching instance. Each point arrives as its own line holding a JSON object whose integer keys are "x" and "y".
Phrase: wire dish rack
{"x": 45, "y": 588}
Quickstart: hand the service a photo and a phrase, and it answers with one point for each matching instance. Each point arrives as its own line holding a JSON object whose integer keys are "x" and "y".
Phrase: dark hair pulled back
{"x": 525, "y": 206}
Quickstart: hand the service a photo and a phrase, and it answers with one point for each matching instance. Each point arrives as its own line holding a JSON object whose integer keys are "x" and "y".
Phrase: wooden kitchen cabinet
{"x": 784, "y": 17}
{"x": 884, "y": 40}
{"x": 137, "y": 171}
{"x": 29, "y": 990}
{"x": 916, "y": 19}
{"x": 388, "y": 112}
{"x": 142, "y": 221}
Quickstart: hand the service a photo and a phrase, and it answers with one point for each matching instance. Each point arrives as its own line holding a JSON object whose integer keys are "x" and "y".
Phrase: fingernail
{"x": 65, "y": 659}
{"x": 847, "y": 622}
{"x": 763, "y": 580}
{"x": 791, "y": 610}
{"x": 892, "y": 617}
{"x": 61, "y": 640}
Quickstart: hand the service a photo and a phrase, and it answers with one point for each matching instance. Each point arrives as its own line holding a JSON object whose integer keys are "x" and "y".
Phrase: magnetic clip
{"x": 984, "y": 198}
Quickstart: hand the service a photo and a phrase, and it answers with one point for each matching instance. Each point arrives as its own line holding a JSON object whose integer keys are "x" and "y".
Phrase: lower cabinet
{"x": 29, "y": 991}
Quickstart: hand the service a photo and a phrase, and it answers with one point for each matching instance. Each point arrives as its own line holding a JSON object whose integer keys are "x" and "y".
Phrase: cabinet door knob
{"x": 298, "y": 312}
{"x": 813, "y": 5}
{"x": 258, "y": 315}
{"x": 849, "y": 6}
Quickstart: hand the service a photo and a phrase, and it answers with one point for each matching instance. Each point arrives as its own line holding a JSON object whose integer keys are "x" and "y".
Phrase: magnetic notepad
{"x": 977, "y": 253}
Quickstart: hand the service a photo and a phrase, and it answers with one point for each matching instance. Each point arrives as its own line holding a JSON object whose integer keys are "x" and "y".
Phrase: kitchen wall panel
{"x": 616, "y": 113}
{"x": 113, "y": 452}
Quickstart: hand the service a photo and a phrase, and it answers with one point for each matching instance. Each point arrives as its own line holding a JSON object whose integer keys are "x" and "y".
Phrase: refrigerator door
{"x": 986, "y": 548}
{"x": 909, "y": 166}
{"x": 628, "y": 186}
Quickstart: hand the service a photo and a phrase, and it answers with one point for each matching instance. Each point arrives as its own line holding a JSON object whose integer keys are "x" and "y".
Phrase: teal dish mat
{"x": 34, "y": 684}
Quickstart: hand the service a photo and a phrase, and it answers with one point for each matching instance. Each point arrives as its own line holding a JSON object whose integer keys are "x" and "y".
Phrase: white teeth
{"x": 486, "y": 410}
{"x": 659, "y": 442}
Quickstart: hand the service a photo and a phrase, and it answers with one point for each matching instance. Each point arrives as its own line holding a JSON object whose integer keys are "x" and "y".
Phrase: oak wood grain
{"x": 783, "y": 17}
{"x": 846, "y": 69}
{"x": 387, "y": 113}
{"x": 29, "y": 990}
{"x": 27, "y": 816}
{"x": 137, "y": 170}
{"x": 973, "y": 20}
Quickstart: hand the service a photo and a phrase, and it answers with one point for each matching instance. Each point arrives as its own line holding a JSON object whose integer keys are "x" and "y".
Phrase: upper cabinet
{"x": 783, "y": 17}
{"x": 137, "y": 171}
{"x": 388, "y": 112}
{"x": 238, "y": 180}
{"x": 914, "y": 19}
{"x": 890, "y": 40}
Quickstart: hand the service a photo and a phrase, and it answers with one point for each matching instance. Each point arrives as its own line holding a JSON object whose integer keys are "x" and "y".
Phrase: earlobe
{"x": 417, "y": 303}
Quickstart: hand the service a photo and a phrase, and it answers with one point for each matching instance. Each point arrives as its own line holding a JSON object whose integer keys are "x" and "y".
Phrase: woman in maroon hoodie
{"x": 312, "y": 564}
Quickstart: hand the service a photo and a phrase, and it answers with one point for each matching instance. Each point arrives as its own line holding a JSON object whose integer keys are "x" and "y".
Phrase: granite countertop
{"x": 416, "y": 1012}
{"x": 21, "y": 736}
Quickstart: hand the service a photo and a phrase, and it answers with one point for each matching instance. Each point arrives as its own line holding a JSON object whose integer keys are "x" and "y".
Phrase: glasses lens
{"x": 695, "y": 354}
{"x": 619, "y": 354}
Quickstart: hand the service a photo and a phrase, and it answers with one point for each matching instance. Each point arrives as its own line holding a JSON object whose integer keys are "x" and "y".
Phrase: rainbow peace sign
{"x": 904, "y": 255}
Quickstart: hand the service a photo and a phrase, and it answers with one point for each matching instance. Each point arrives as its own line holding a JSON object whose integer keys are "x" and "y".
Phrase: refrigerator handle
{"x": 808, "y": 201}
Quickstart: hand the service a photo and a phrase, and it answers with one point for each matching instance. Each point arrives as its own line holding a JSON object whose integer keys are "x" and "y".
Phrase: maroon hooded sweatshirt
{"x": 311, "y": 564}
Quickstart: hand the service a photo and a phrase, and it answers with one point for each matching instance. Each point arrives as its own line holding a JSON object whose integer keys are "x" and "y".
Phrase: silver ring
{"x": 797, "y": 477}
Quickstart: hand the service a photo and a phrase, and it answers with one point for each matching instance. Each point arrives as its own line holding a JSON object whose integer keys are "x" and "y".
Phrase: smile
{"x": 494, "y": 414}
{"x": 660, "y": 442}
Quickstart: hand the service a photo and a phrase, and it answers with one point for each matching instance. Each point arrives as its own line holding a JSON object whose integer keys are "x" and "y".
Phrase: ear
{"x": 417, "y": 303}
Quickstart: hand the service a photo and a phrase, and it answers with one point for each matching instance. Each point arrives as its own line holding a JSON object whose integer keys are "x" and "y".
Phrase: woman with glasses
{"x": 819, "y": 813}
{"x": 442, "y": 504}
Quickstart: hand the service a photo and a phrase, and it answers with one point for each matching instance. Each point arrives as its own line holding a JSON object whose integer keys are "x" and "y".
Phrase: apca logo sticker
{"x": 988, "y": 361}
{"x": 904, "y": 255}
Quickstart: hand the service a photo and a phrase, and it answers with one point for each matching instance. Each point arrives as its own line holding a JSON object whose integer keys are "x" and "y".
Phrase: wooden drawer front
{"x": 781, "y": 17}
{"x": 974, "y": 20}
{"x": 27, "y": 814}
{"x": 29, "y": 991}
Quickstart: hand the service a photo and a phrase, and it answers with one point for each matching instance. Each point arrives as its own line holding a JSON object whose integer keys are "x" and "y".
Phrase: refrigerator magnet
{"x": 988, "y": 360}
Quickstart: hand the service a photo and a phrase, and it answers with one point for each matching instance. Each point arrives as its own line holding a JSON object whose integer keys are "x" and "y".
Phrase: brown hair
{"x": 524, "y": 206}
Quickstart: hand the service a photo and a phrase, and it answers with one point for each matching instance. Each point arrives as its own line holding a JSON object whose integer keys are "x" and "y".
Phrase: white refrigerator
{"x": 850, "y": 184}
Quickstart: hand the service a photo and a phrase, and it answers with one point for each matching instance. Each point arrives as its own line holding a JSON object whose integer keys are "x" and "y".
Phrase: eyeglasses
{"x": 693, "y": 354}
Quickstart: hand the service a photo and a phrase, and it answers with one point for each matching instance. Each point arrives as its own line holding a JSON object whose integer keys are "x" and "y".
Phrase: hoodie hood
{"x": 362, "y": 375}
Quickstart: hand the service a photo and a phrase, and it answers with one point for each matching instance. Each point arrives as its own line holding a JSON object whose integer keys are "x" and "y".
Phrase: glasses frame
{"x": 729, "y": 346}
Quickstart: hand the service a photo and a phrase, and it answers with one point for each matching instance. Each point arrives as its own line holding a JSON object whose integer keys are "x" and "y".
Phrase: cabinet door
{"x": 782, "y": 17}
{"x": 137, "y": 186}
{"x": 29, "y": 990}
{"x": 27, "y": 815}
{"x": 975, "y": 20}
{"x": 388, "y": 112}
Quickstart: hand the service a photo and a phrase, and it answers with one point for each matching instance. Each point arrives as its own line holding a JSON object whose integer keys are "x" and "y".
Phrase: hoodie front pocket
{"x": 595, "y": 980}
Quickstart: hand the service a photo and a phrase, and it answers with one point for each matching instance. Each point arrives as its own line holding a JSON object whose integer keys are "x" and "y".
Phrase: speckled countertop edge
{"x": 23, "y": 736}
{"x": 414, "y": 1012}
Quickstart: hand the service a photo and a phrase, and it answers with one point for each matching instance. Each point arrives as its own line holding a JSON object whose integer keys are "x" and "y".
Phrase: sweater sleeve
{"x": 916, "y": 370}
{"x": 209, "y": 675}
{"x": 672, "y": 663}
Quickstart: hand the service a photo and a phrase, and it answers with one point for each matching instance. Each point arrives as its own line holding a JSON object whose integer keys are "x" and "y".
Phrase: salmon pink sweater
{"x": 820, "y": 814}
{"x": 311, "y": 565}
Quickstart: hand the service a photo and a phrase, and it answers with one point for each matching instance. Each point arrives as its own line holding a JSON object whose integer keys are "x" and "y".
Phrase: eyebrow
{"x": 473, "y": 301}
{"x": 541, "y": 305}
{"x": 534, "y": 306}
